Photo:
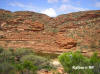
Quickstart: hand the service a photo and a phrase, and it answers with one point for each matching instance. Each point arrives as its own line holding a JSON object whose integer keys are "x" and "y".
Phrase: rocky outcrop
{"x": 22, "y": 25}
{"x": 34, "y": 26}
{"x": 65, "y": 42}
{"x": 45, "y": 32}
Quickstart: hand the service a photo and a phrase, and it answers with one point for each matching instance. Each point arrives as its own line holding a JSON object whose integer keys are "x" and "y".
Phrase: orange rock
{"x": 66, "y": 43}
{"x": 34, "y": 26}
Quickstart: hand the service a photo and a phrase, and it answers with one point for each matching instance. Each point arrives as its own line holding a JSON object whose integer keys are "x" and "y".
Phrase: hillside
{"x": 67, "y": 32}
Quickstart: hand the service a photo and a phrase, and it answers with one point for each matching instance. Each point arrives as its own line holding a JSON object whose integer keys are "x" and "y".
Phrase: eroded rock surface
{"x": 65, "y": 42}
{"x": 80, "y": 30}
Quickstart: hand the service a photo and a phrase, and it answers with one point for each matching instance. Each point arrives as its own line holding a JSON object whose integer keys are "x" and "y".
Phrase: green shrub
{"x": 38, "y": 61}
{"x": 7, "y": 68}
{"x": 21, "y": 61}
{"x": 74, "y": 59}
{"x": 19, "y": 67}
{"x": 1, "y": 49}
{"x": 29, "y": 66}
{"x": 95, "y": 61}
{"x": 26, "y": 67}
{"x": 22, "y": 51}
{"x": 5, "y": 55}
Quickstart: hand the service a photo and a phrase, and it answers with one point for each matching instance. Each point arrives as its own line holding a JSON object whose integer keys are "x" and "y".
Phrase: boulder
{"x": 65, "y": 42}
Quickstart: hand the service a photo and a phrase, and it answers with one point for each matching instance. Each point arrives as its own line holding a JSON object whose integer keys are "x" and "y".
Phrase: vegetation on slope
{"x": 21, "y": 61}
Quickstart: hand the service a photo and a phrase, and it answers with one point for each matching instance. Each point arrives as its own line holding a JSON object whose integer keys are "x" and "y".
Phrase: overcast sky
{"x": 50, "y": 7}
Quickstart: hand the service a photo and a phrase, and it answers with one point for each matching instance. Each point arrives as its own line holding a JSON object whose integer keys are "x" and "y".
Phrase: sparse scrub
{"x": 21, "y": 61}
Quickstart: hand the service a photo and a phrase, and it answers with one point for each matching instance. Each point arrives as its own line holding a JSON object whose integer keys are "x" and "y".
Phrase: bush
{"x": 7, "y": 68}
{"x": 26, "y": 67}
{"x": 21, "y": 61}
{"x": 29, "y": 66}
{"x": 1, "y": 49}
{"x": 23, "y": 51}
{"x": 70, "y": 60}
{"x": 95, "y": 60}
{"x": 5, "y": 55}
{"x": 20, "y": 52}
{"x": 38, "y": 61}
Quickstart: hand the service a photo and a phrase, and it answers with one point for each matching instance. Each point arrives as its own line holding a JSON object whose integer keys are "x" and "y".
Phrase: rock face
{"x": 22, "y": 25}
{"x": 65, "y": 42}
{"x": 34, "y": 26}
{"x": 50, "y": 35}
